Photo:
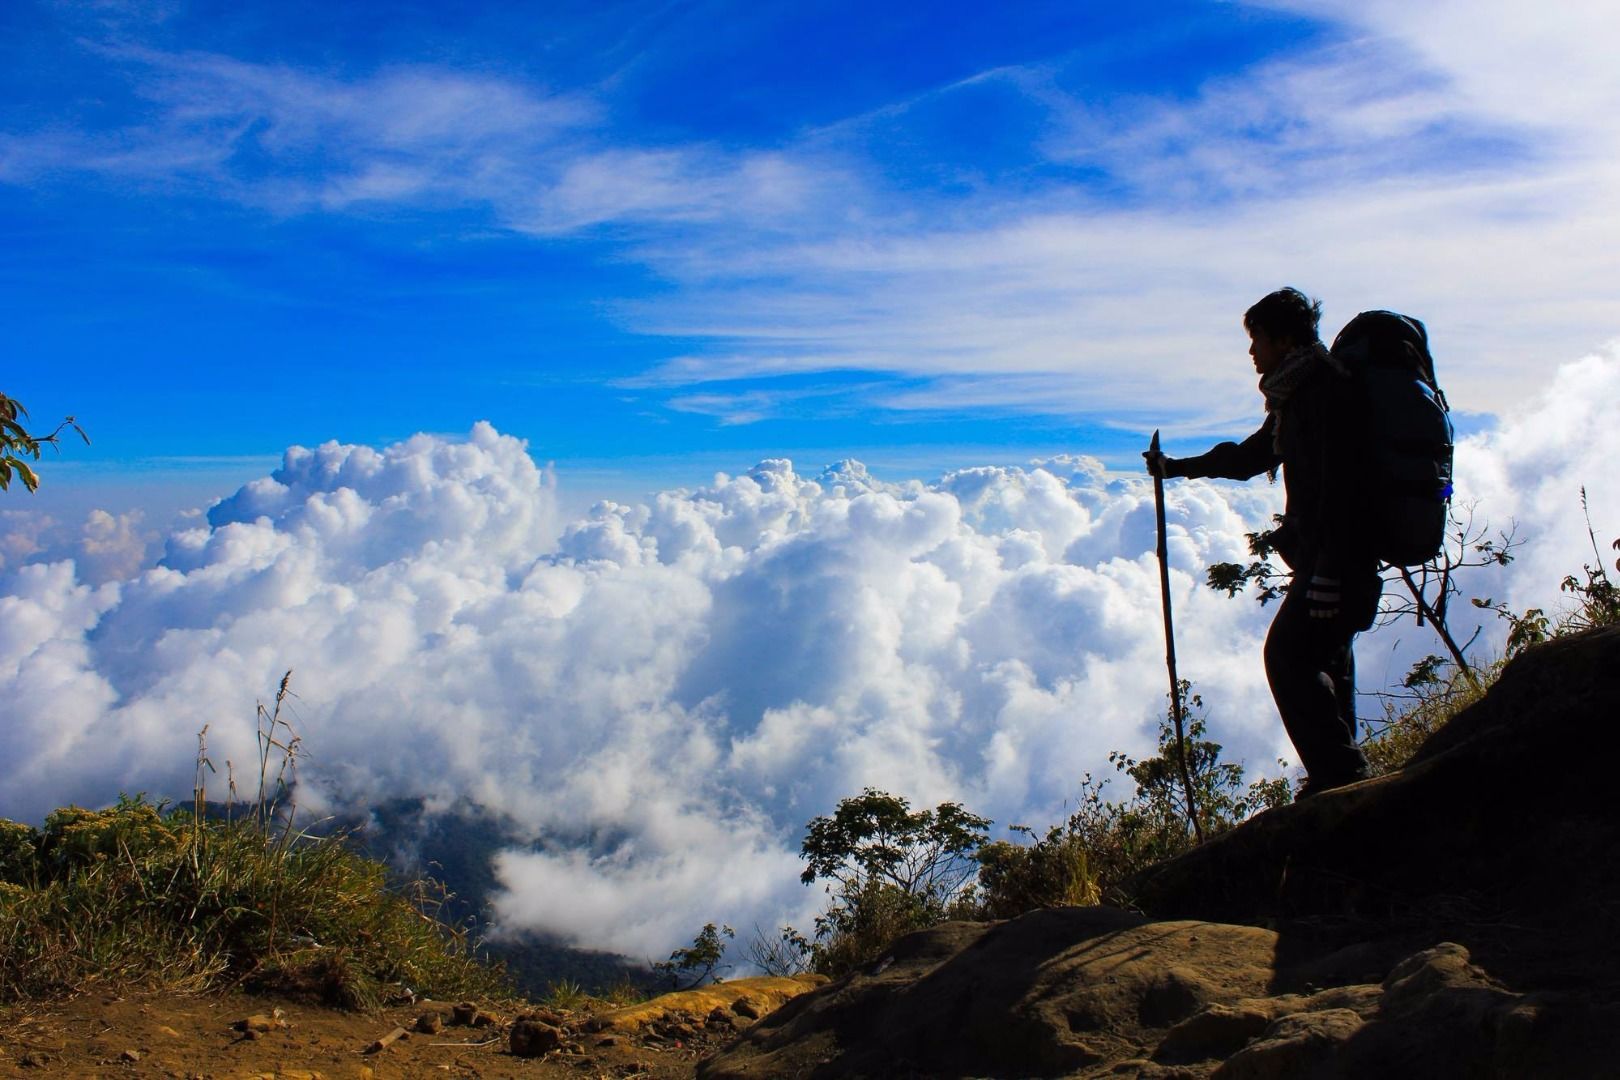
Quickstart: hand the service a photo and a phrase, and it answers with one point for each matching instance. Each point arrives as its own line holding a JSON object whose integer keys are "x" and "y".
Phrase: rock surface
{"x": 745, "y": 997}
{"x": 1447, "y": 920}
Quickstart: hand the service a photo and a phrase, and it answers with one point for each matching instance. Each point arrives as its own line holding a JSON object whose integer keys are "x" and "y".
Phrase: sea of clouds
{"x": 657, "y": 697}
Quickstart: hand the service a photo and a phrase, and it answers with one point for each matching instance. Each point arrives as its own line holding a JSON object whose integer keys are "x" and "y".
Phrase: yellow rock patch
{"x": 770, "y": 992}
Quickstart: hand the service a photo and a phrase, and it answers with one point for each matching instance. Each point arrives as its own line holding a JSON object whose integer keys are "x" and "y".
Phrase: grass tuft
{"x": 136, "y": 895}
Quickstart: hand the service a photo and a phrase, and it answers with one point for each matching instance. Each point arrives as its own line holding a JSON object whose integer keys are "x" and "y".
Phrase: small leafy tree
{"x": 1223, "y": 797}
{"x": 889, "y": 870}
{"x": 1153, "y": 824}
{"x": 698, "y": 962}
{"x": 18, "y": 445}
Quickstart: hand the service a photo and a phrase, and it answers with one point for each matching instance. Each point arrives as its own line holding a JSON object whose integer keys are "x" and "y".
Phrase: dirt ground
{"x": 179, "y": 1037}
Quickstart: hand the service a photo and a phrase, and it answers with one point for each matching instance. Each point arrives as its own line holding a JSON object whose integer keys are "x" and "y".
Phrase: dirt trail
{"x": 181, "y": 1037}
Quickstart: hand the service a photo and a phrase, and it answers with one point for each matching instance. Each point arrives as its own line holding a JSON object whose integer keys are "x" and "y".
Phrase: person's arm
{"x": 1230, "y": 460}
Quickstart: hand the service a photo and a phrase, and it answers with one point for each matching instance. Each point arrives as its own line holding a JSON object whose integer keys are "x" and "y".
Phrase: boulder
{"x": 533, "y": 1038}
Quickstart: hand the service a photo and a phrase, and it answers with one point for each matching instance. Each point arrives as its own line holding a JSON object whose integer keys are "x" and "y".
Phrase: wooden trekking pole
{"x": 1170, "y": 646}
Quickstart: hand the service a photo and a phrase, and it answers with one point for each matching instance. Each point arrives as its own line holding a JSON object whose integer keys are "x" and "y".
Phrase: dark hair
{"x": 1286, "y": 313}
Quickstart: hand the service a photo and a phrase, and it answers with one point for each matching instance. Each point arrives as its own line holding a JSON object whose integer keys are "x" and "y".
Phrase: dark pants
{"x": 1311, "y": 666}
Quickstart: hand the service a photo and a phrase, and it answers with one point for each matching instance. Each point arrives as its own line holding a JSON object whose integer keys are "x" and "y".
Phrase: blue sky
{"x": 657, "y": 240}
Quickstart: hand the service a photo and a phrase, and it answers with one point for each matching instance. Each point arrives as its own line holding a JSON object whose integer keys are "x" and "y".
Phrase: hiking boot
{"x": 1315, "y": 786}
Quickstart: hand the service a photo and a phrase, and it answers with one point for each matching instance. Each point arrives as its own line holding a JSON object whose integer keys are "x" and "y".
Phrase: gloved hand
{"x": 1324, "y": 595}
{"x": 1158, "y": 464}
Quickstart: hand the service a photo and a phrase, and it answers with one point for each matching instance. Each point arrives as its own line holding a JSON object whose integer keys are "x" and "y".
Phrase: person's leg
{"x": 1343, "y": 669}
{"x": 1311, "y": 669}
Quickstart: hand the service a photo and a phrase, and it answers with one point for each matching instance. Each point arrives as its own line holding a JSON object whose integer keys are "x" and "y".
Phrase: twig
{"x": 1439, "y": 628}
{"x": 384, "y": 1042}
{"x": 468, "y": 1045}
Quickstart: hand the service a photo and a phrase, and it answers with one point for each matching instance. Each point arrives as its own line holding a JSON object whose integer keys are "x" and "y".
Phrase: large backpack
{"x": 1408, "y": 434}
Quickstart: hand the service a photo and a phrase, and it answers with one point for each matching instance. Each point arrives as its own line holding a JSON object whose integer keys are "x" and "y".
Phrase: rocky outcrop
{"x": 1455, "y": 919}
{"x": 1515, "y": 793}
{"x": 1092, "y": 992}
{"x": 746, "y": 998}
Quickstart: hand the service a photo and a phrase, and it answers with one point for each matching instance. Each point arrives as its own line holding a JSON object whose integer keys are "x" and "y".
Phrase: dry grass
{"x": 1409, "y": 721}
{"x": 134, "y": 896}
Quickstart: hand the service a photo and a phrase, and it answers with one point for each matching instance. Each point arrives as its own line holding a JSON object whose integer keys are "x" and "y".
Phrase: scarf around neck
{"x": 1279, "y": 384}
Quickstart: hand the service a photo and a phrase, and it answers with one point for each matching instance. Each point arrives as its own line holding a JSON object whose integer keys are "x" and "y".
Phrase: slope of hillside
{"x": 1453, "y": 919}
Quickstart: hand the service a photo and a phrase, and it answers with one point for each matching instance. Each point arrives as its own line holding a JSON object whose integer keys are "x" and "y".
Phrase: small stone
{"x": 531, "y": 1038}
{"x": 745, "y": 1006}
{"x": 430, "y": 1023}
{"x": 546, "y": 1016}
{"x": 130, "y": 1056}
{"x": 259, "y": 1022}
{"x": 463, "y": 1014}
{"x": 168, "y": 1031}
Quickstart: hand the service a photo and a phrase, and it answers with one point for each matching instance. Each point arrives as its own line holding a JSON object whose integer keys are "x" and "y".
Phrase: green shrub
{"x": 19, "y": 846}
{"x": 126, "y": 897}
{"x": 622, "y": 993}
{"x": 134, "y": 896}
{"x": 866, "y": 921}
{"x": 565, "y": 994}
{"x": 889, "y": 870}
{"x": 1435, "y": 691}
{"x": 1054, "y": 871}
{"x": 75, "y": 839}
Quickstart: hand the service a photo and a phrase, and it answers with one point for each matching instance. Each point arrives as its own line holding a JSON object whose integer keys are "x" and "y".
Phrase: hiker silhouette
{"x": 1309, "y": 432}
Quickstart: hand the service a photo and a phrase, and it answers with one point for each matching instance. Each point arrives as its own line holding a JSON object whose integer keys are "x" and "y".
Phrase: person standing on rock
{"x": 1308, "y": 433}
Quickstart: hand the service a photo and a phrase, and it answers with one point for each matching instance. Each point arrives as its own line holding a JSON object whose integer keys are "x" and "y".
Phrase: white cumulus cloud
{"x": 658, "y": 696}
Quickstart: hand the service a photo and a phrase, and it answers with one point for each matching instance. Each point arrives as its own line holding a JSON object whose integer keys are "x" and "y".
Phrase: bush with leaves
{"x": 1053, "y": 871}
{"x": 889, "y": 870}
{"x": 696, "y": 963}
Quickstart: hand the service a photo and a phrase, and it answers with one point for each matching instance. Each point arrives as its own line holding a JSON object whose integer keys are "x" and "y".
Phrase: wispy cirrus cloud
{"x": 1375, "y": 171}
{"x": 1417, "y": 160}
{"x": 293, "y": 141}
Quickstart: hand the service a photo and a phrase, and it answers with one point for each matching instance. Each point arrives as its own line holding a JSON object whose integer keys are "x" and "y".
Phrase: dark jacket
{"x": 1321, "y": 531}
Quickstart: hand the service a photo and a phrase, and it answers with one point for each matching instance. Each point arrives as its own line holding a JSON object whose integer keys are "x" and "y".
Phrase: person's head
{"x": 1278, "y": 322}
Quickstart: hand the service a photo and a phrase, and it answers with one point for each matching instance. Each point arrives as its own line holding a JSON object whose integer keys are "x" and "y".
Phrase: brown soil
{"x": 180, "y": 1037}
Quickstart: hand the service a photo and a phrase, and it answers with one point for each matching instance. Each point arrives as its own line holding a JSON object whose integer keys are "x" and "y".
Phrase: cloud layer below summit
{"x": 660, "y": 695}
